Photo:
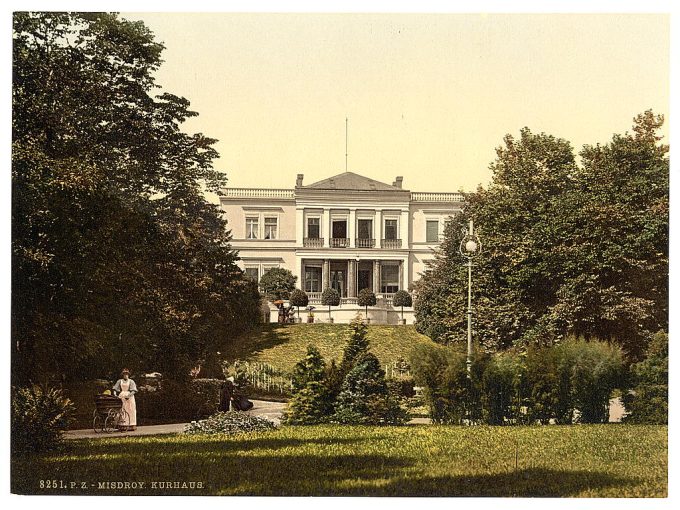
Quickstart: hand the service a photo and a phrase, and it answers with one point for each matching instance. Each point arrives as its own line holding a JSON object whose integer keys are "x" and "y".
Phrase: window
{"x": 389, "y": 278}
{"x": 267, "y": 267}
{"x": 432, "y": 231}
{"x": 313, "y": 228}
{"x": 312, "y": 279}
{"x": 365, "y": 230}
{"x": 253, "y": 272}
{"x": 252, "y": 227}
{"x": 391, "y": 229}
{"x": 270, "y": 227}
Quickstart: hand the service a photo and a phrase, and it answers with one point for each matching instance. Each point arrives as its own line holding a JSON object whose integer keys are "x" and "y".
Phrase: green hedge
{"x": 568, "y": 383}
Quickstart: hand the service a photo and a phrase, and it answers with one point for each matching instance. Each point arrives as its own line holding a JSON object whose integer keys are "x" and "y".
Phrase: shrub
{"x": 180, "y": 401}
{"x": 231, "y": 422}
{"x": 310, "y": 403}
{"x": 364, "y": 398}
{"x": 595, "y": 370}
{"x": 299, "y": 298}
{"x": 401, "y": 387}
{"x": 402, "y": 298}
{"x": 500, "y": 389}
{"x": 366, "y": 298}
{"x": 330, "y": 297}
{"x": 442, "y": 372}
{"x": 648, "y": 402}
{"x": 277, "y": 283}
{"x": 39, "y": 418}
{"x": 311, "y": 368}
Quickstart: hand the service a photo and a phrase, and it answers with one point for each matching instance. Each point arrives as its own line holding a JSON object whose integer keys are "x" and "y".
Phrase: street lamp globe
{"x": 471, "y": 246}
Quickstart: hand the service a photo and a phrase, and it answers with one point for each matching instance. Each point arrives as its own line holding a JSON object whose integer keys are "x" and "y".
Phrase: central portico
{"x": 347, "y": 232}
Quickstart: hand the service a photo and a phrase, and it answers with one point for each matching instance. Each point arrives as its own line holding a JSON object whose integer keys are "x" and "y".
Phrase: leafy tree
{"x": 569, "y": 249}
{"x": 648, "y": 400}
{"x": 299, "y": 298}
{"x": 366, "y": 298}
{"x": 364, "y": 397}
{"x": 330, "y": 297}
{"x": 278, "y": 283}
{"x": 117, "y": 258}
{"x": 402, "y": 298}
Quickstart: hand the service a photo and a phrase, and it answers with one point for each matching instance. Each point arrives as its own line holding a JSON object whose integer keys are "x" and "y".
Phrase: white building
{"x": 348, "y": 232}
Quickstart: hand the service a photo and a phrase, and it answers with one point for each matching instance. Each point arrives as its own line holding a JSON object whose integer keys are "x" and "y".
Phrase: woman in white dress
{"x": 125, "y": 388}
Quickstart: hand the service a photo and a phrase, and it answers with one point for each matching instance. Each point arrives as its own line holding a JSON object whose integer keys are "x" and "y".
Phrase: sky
{"x": 428, "y": 96}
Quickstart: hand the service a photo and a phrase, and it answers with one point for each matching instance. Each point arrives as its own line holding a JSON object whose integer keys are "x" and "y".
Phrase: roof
{"x": 352, "y": 181}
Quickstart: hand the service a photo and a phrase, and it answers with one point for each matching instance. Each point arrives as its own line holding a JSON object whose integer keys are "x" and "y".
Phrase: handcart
{"x": 109, "y": 414}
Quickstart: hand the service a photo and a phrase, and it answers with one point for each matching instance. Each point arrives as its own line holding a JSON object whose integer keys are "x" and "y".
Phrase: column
{"x": 404, "y": 227}
{"x": 326, "y": 227}
{"x": 300, "y": 268}
{"x": 351, "y": 278}
{"x": 377, "y": 228}
{"x": 352, "y": 228}
{"x": 401, "y": 275}
{"x": 325, "y": 275}
{"x": 376, "y": 277}
{"x": 299, "y": 227}
{"x": 408, "y": 278}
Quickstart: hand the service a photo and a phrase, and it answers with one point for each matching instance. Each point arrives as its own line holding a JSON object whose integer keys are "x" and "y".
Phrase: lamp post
{"x": 470, "y": 247}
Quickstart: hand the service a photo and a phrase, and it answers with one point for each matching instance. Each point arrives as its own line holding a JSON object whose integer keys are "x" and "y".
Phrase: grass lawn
{"x": 284, "y": 345}
{"x": 560, "y": 461}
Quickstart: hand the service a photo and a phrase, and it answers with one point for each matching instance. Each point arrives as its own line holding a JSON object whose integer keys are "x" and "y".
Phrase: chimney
{"x": 397, "y": 182}
{"x": 298, "y": 181}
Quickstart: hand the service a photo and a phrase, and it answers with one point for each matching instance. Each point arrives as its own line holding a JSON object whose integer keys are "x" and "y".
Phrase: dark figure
{"x": 226, "y": 394}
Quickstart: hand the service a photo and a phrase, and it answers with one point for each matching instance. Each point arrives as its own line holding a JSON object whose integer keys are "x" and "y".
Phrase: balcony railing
{"x": 365, "y": 243}
{"x": 339, "y": 242}
{"x": 312, "y": 242}
{"x": 258, "y": 193}
{"x": 391, "y": 244}
{"x": 437, "y": 197}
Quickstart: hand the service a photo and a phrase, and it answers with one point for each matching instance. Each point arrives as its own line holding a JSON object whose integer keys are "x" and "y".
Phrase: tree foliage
{"x": 566, "y": 383}
{"x": 569, "y": 249}
{"x": 648, "y": 400}
{"x": 366, "y": 298}
{"x": 278, "y": 283}
{"x": 364, "y": 398}
{"x": 310, "y": 403}
{"x": 117, "y": 258}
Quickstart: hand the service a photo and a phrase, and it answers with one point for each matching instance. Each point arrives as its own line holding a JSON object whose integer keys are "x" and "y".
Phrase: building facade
{"x": 347, "y": 232}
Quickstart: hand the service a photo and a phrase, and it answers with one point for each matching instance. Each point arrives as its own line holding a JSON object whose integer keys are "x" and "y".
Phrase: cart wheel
{"x": 111, "y": 421}
{"x": 123, "y": 418}
{"x": 97, "y": 422}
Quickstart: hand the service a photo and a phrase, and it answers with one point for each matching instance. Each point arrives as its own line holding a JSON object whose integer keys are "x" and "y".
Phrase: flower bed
{"x": 232, "y": 422}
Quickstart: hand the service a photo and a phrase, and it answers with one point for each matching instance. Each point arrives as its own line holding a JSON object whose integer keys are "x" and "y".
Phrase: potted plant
{"x": 366, "y": 298}
{"x": 330, "y": 297}
{"x": 310, "y": 314}
{"x": 402, "y": 298}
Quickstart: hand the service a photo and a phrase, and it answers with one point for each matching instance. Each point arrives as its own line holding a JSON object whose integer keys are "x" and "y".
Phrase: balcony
{"x": 365, "y": 243}
{"x": 339, "y": 242}
{"x": 391, "y": 244}
{"x": 313, "y": 242}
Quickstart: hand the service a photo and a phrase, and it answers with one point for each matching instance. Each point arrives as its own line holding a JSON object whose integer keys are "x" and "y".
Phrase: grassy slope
{"x": 559, "y": 461}
{"x": 283, "y": 346}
